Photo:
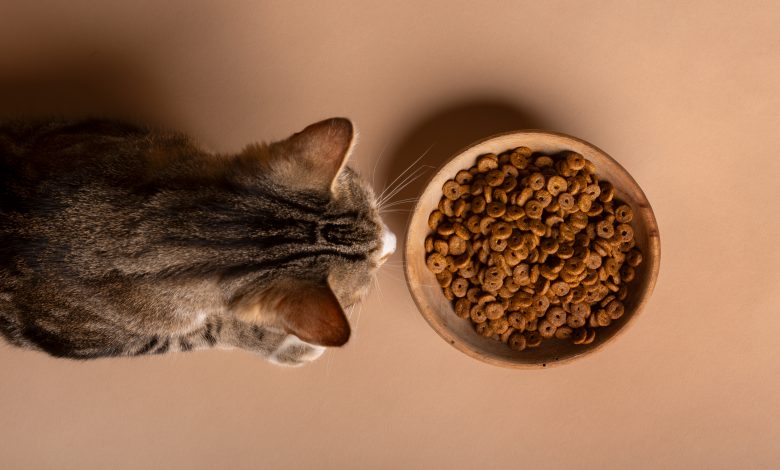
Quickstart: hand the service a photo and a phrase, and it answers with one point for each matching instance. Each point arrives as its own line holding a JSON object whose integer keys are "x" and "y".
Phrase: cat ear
{"x": 313, "y": 157}
{"x": 312, "y": 313}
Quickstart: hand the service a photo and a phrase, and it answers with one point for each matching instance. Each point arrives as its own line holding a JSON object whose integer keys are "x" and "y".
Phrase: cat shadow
{"x": 80, "y": 81}
{"x": 434, "y": 140}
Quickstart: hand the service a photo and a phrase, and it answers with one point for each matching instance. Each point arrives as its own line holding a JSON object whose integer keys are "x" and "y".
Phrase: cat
{"x": 122, "y": 240}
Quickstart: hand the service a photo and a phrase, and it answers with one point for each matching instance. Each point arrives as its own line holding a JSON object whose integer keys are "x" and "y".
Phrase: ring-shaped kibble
{"x": 595, "y": 210}
{"x": 487, "y": 162}
{"x": 553, "y": 220}
{"x": 463, "y": 308}
{"x": 548, "y": 245}
{"x": 459, "y": 208}
{"x": 472, "y": 224}
{"x": 485, "y": 225}
{"x": 520, "y": 157}
{"x": 468, "y": 271}
{"x": 461, "y": 261}
{"x": 428, "y": 243}
{"x": 560, "y": 288}
{"x": 534, "y": 275}
{"x": 574, "y": 265}
{"x": 477, "y": 187}
{"x": 593, "y": 321}
{"x": 451, "y": 190}
{"x": 461, "y": 231}
{"x": 607, "y": 191}
{"x": 533, "y": 209}
{"x": 441, "y": 246}
{"x": 563, "y": 332}
{"x": 457, "y": 246}
{"x": 510, "y": 170}
{"x": 514, "y": 257}
{"x": 593, "y": 261}
{"x": 556, "y": 316}
{"x": 584, "y": 202}
{"x": 494, "y": 310}
{"x": 624, "y": 214}
{"x": 627, "y": 273}
{"x": 591, "y": 337}
{"x": 497, "y": 244}
{"x": 514, "y": 212}
{"x": 477, "y": 314}
{"x": 517, "y": 342}
{"x": 499, "y": 325}
{"x": 602, "y": 318}
{"x": 615, "y": 309}
{"x": 517, "y": 321}
{"x": 592, "y": 190}
{"x": 543, "y": 161}
{"x": 436, "y": 262}
{"x": 573, "y": 321}
{"x": 459, "y": 287}
{"x": 446, "y": 229}
{"x": 625, "y": 232}
{"x": 525, "y": 195}
{"x": 546, "y": 329}
{"x": 532, "y": 338}
{"x": 464, "y": 177}
{"x": 494, "y": 178}
{"x": 509, "y": 184}
{"x": 634, "y": 258}
{"x": 446, "y": 206}
{"x": 611, "y": 266}
{"x": 448, "y": 294}
{"x": 521, "y": 274}
{"x": 501, "y": 230}
{"x": 499, "y": 195}
{"x": 579, "y": 335}
{"x": 580, "y": 309}
{"x": 547, "y": 273}
{"x": 435, "y": 219}
{"x": 444, "y": 278}
{"x": 565, "y": 252}
{"x": 578, "y": 220}
{"x": 575, "y": 161}
{"x": 537, "y": 227}
{"x": 605, "y": 229}
{"x": 556, "y": 185}
{"x": 496, "y": 209}
{"x": 591, "y": 278}
{"x": 483, "y": 329}
{"x": 478, "y": 205}
{"x": 535, "y": 181}
{"x": 544, "y": 197}
{"x": 541, "y": 303}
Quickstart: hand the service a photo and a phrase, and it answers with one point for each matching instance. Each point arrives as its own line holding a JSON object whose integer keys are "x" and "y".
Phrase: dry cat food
{"x": 530, "y": 247}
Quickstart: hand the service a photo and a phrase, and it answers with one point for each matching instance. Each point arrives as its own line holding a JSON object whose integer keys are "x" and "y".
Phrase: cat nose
{"x": 388, "y": 243}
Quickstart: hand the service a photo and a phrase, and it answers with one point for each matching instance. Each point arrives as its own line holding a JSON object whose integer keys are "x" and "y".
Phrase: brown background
{"x": 684, "y": 94}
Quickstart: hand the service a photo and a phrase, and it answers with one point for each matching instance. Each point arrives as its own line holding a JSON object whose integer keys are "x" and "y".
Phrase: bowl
{"x": 458, "y": 332}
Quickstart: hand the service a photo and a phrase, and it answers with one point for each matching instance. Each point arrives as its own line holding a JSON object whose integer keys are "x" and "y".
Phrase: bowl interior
{"x": 438, "y": 311}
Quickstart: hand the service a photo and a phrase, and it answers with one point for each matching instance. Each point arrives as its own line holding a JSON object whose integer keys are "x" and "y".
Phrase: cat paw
{"x": 294, "y": 352}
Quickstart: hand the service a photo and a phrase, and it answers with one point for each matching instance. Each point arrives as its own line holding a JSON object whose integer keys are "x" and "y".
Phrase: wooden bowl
{"x": 438, "y": 311}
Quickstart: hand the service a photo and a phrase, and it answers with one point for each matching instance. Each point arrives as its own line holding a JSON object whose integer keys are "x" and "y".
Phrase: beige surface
{"x": 685, "y": 95}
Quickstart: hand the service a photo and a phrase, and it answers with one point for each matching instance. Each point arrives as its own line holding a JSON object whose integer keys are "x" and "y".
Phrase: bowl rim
{"x": 654, "y": 242}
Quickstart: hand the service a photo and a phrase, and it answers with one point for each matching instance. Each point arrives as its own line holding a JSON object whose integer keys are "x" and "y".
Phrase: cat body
{"x": 118, "y": 240}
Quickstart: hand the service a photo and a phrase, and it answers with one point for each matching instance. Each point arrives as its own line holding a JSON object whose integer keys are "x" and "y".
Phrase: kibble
{"x": 532, "y": 247}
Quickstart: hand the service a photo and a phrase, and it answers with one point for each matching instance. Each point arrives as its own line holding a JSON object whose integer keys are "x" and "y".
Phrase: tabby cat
{"x": 119, "y": 240}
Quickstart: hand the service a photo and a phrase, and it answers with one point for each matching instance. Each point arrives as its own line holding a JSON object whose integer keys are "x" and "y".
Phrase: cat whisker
{"x": 406, "y": 182}
{"x": 404, "y": 172}
{"x": 373, "y": 172}
{"x": 386, "y": 197}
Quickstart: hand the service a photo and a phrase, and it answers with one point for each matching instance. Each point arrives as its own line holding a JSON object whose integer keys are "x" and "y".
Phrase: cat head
{"x": 350, "y": 242}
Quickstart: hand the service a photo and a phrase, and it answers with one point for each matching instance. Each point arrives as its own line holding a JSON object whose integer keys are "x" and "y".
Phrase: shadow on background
{"x": 439, "y": 136}
{"x": 81, "y": 81}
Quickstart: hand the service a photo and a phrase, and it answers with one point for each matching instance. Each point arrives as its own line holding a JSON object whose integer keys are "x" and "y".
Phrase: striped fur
{"x": 117, "y": 240}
